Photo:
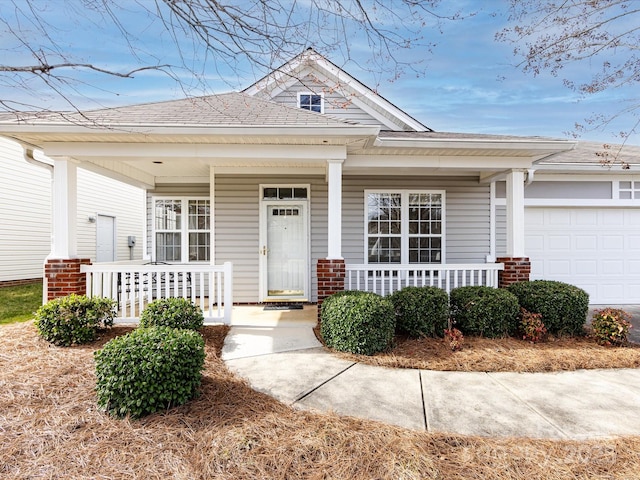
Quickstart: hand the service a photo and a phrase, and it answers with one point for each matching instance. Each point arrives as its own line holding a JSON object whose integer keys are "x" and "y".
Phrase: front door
{"x": 284, "y": 262}
{"x": 105, "y": 238}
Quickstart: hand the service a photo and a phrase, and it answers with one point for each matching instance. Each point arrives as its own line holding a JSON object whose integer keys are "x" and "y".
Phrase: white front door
{"x": 284, "y": 247}
{"x": 105, "y": 238}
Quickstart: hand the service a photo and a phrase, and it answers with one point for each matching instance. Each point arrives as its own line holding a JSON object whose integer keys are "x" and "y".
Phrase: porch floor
{"x": 256, "y": 316}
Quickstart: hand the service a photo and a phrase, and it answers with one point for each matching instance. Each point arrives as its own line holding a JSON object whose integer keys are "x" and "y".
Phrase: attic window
{"x": 311, "y": 102}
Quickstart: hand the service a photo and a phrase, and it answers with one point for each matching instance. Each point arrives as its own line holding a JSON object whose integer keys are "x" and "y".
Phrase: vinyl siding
{"x": 25, "y": 215}
{"x": 98, "y": 195}
{"x": 335, "y": 104}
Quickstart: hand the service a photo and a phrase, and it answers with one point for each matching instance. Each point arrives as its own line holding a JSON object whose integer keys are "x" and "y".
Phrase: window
{"x": 182, "y": 230}
{"x": 404, "y": 227}
{"x": 629, "y": 190}
{"x": 310, "y": 101}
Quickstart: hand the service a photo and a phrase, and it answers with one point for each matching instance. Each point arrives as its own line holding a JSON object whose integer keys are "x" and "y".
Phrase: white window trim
{"x": 404, "y": 225}
{"x": 321, "y": 94}
{"x": 184, "y": 226}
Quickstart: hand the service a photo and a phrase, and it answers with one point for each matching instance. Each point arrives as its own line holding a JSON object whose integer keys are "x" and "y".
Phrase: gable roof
{"x": 229, "y": 109}
{"x": 312, "y": 63}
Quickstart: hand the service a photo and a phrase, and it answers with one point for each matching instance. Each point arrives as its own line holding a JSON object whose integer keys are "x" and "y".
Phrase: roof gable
{"x": 312, "y": 69}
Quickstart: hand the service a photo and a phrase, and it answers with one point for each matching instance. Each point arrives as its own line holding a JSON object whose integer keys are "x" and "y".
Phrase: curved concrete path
{"x": 289, "y": 364}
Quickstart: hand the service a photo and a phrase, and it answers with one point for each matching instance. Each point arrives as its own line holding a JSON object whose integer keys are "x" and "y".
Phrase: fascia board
{"x": 477, "y": 144}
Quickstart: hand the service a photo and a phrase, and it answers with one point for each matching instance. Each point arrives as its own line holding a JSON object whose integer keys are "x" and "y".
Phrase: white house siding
{"x": 25, "y": 215}
{"x": 99, "y": 195}
{"x": 335, "y": 104}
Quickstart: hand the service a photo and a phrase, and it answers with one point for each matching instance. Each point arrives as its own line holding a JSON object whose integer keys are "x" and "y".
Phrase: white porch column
{"x": 212, "y": 217}
{"x": 334, "y": 179}
{"x": 515, "y": 214}
{"x": 65, "y": 200}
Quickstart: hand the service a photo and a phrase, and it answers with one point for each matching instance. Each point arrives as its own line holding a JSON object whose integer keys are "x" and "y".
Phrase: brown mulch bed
{"x": 504, "y": 355}
{"x": 50, "y": 428}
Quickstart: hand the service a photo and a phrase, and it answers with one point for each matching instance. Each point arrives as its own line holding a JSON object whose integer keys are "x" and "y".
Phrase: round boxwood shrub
{"x": 484, "y": 311}
{"x": 172, "y": 312}
{"x": 421, "y": 311}
{"x": 563, "y": 307}
{"x": 74, "y": 319}
{"x": 357, "y": 322}
{"x": 149, "y": 369}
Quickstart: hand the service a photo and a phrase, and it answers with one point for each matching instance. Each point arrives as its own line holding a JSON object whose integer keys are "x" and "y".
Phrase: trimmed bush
{"x": 172, "y": 312}
{"x": 563, "y": 307}
{"x": 74, "y": 319}
{"x": 611, "y": 326}
{"x": 149, "y": 369}
{"x": 362, "y": 322}
{"x": 421, "y": 311}
{"x": 484, "y": 311}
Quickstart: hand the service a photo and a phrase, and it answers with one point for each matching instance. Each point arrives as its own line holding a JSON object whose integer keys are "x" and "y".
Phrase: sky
{"x": 470, "y": 81}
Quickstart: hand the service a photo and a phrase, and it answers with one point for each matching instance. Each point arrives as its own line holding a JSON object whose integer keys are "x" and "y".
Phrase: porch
{"x": 134, "y": 286}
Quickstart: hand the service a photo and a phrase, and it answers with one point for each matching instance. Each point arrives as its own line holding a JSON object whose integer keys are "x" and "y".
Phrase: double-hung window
{"x": 404, "y": 226}
{"x": 182, "y": 229}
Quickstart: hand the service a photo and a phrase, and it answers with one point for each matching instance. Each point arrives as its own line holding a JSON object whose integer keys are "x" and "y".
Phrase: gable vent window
{"x": 311, "y": 102}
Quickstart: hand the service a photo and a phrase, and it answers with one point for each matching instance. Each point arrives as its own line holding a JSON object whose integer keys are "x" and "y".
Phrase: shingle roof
{"x": 587, "y": 153}
{"x": 229, "y": 109}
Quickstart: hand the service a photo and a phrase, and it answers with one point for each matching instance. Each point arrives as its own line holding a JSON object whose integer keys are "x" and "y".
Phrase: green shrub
{"x": 361, "y": 322}
{"x": 532, "y": 328}
{"x": 421, "y": 311}
{"x": 611, "y": 326}
{"x": 75, "y": 319}
{"x": 484, "y": 311}
{"x": 172, "y": 312}
{"x": 149, "y": 369}
{"x": 563, "y": 307}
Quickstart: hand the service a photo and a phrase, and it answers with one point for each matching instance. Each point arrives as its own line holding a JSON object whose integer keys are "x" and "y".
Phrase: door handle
{"x": 264, "y": 250}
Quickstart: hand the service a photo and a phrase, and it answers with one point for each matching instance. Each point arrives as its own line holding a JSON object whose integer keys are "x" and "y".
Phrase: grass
{"x": 18, "y": 304}
{"x": 50, "y": 428}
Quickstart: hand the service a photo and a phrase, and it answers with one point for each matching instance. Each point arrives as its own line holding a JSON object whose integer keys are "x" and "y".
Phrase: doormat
{"x": 281, "y": 306}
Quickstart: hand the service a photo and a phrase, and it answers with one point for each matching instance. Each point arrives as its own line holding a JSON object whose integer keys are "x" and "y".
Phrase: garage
{"x": 597, "y": 249}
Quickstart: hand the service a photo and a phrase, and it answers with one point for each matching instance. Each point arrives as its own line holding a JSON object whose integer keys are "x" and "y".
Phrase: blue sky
{"x": 470, "y": 85}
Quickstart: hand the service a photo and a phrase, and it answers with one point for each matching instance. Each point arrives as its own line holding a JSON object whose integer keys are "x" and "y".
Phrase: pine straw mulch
{"x": 50, "y": 428}
{"x": 503, "y": 355}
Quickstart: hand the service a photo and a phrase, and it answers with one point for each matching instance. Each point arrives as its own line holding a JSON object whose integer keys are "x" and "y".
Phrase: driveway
{"x": 634, "y": 310}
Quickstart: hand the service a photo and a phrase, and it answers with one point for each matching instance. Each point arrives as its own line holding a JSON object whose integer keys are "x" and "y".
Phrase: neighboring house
{"x": 108, "y": 212}
{"x": 309, "y": 182}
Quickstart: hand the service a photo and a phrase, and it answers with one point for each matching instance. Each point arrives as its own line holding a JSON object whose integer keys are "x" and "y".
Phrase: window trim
{"x": 321, "y": 95}
{"x": 184, "y": 229}
{"x": 404, "y": 223}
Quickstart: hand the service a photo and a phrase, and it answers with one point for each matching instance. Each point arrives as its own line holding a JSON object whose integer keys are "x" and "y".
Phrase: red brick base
{"x": 515, "y": 270}
{"x": 63, "y": 277}
{"x": 330, "y": 275}
{"x": 16, "y": 283}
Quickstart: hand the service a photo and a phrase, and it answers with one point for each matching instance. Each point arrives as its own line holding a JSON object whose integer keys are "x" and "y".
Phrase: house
{"x": 108, "y": 213}
{"x": 309, "y": 182}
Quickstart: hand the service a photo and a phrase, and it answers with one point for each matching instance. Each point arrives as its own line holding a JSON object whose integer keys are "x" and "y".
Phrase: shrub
{"x": 74, "y": 319}
{"x": 361, "y": 322}
{"x": 421, "y": 311}
{"x": 148, "y": 370}
{"x": 531, "y": 326}
{"x": 611, "y": 326}
{"x": 172, "y": 312}
{"x": 563, "y": 307}
{"x": 455, "y": 338}
{"x": 484, "y": 311}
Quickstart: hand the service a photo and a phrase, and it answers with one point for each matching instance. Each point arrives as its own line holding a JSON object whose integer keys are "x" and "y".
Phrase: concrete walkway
{"x": 288, "y": 363}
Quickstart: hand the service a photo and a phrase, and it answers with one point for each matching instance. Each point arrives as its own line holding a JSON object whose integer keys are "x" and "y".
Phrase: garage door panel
{"x": 597, "y": 249}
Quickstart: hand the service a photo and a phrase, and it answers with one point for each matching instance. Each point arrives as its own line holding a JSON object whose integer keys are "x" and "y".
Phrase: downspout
{"x": 530, "y": 174}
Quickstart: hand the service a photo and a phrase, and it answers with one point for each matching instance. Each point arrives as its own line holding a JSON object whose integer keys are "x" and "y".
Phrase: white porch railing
{"x": 386, "y": 279}
{"x": 134, "y": 286}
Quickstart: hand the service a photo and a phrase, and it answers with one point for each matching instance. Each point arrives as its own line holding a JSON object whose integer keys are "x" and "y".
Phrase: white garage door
{"x": 596, "y": 249}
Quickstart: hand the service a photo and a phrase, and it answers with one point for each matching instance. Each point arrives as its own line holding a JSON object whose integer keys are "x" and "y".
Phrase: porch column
{"x": 334, "y": 207}
{"x": 517, "y": 266}
{"x": 62, "y": 274}
{"x": 330, "y": 271}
